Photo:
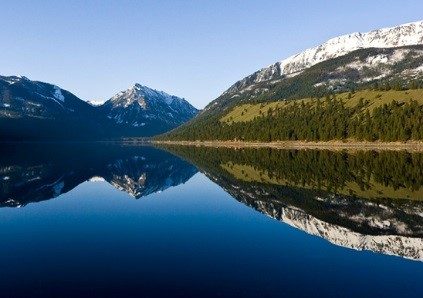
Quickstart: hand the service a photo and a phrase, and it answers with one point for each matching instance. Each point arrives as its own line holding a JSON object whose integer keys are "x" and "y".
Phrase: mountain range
{"x": 37, "y": 110}
{"x": 379, "y": 60}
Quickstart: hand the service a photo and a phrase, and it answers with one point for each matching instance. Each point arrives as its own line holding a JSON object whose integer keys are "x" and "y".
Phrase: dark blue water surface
{"x": 175, "y": 237}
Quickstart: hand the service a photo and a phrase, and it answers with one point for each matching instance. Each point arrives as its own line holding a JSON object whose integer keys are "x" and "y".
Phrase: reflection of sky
{"x": 191, "y": 239}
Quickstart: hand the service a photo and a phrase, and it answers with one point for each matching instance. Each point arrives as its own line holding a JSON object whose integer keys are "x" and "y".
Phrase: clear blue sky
{"x": 193, "y": 49}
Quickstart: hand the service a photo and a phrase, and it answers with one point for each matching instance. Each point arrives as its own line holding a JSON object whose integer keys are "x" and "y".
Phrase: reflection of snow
{"x": 97, "y": 179}
{"x": 407, "y": 247}
{"x": 403, "y": 246}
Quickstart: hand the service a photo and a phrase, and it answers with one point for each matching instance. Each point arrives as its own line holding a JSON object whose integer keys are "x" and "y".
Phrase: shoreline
{"x": 332, "y": 145}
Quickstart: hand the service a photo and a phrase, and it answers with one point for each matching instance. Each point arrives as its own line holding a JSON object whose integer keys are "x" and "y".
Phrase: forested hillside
{"x": 367, "y": 115}
{"x": 368, "y": 94}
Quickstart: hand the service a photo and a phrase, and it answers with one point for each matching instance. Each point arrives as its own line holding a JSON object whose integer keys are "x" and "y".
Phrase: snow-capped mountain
{"x": 144, "y": 109}
{"x": 403, "y": 35}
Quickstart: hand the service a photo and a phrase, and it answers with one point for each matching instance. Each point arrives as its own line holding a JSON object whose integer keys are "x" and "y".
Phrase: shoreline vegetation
{"x": 332, "y": 145}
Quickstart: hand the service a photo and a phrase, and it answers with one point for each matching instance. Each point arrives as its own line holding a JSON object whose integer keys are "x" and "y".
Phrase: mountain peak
{"x": 139, "y": 86}
{"x": 23, "y": 78}
{"x": 141, "y": 107}
{"x": 141, "y": 94}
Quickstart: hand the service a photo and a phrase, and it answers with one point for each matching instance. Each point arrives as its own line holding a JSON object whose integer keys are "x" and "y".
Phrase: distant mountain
{"x": 32, "y": 110}
{"x": 142, "y": 110}
{"x": 23, "y": 98}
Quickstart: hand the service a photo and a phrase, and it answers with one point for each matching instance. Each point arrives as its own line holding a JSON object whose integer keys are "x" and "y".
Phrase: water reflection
{"x": 361, "y": 200}
{"x": 36, "y": 172}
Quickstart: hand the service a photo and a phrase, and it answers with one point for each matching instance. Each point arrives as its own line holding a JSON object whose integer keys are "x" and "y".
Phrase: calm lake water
{"x": 108, "y": 220}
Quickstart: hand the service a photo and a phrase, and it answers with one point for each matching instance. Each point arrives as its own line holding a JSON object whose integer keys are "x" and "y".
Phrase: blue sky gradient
{"x": 192, "y": 49}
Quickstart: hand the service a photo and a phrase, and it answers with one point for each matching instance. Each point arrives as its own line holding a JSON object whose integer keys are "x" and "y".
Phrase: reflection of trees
{"x": 320, "y": 169}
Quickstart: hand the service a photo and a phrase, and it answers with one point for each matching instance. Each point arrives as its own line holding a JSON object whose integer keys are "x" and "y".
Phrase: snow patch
{"x": 58, "y": 94}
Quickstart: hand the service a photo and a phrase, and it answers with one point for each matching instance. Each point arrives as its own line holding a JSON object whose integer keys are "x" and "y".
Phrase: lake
{"x": 129, "y": 221}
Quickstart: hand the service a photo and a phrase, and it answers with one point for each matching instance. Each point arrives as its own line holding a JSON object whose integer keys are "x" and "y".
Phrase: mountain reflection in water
{"x": 37, "y": 172}
{"x": 361, "y": 200}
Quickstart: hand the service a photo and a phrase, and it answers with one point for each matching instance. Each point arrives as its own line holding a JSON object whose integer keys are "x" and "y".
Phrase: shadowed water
{"x": 195, "y": 229}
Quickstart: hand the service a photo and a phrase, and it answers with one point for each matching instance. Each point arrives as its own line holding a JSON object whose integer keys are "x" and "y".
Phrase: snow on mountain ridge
{"x": 58, "y": 94}
{"x": 403, "y": 35}
{"x": 139, "y": 92}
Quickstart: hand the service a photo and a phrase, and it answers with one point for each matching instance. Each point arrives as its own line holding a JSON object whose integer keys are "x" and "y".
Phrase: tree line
{"x": 319, "y": 120}
{"x": 322, "y": 169}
